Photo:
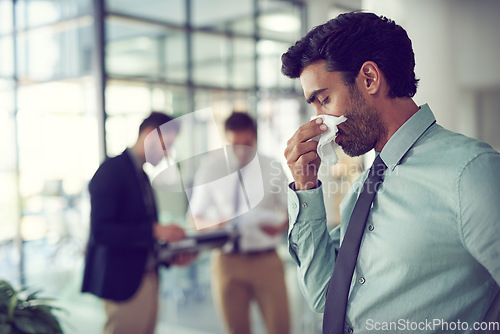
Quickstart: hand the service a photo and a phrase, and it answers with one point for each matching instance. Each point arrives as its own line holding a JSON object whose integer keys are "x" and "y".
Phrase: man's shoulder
{"x": 112, "y": 166}
{"x": 452, "y": 146}
{"x": 113, "y": 162}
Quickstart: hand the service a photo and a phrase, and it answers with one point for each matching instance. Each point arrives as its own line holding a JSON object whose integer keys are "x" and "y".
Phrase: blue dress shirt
{"x": 429, "y": 261}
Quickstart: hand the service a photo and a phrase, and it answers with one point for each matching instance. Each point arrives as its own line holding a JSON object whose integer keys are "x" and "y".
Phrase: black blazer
{"x": 121, "y": 231}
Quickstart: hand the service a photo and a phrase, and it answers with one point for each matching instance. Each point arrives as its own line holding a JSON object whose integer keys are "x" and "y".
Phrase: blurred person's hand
{"x": 184, "y": 259}
{"x": 168, "y": 233}
{"x": 202, "y": 224}
{"x": 273, "y": 230}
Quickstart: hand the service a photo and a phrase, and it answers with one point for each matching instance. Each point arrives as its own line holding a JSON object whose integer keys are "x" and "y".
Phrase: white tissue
{"x": 326, "y": 140}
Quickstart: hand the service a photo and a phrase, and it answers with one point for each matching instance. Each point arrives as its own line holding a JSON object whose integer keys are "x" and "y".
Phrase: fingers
{"x": 184, "y": 259}
{"x": 308, "y": 131}
{"x": 301, "y": 155}
{"x": 175, "y": 233}
{"x": 270, "y": 230}
{"x": 170, "y": 232}
{"x": 301, "y": 143}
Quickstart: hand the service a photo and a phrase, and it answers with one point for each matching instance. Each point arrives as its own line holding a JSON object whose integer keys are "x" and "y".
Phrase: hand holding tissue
{"x": 326, "y": 140}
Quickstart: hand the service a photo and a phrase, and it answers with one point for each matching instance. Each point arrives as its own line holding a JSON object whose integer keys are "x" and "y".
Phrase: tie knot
{"x": 378, "y": 167}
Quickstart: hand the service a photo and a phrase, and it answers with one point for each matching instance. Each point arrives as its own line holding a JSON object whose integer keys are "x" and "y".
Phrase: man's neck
{"x": 394, "y": 113}
{"x": 138, "y": 151}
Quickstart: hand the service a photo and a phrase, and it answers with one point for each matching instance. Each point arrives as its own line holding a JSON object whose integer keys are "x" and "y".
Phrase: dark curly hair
{"x": 157, "y": 119}
{"x": 239, "y": 121}
{"x": 351, "y": 39}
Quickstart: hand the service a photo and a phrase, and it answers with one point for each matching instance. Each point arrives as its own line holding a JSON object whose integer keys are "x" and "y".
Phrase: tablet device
{"x": 194, "y": 243}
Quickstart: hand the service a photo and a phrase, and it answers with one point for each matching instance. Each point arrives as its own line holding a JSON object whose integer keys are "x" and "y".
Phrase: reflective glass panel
{"x": 122, "y": 131}
{"x": 5, "y": 16}
{"x": 9, "y": 222}
{"x": 128, "y": 103}
{"x": 7, "y": 139}
{"x": 6, "y": 57}
{"x": 280, "y": 20}
{"x": 141, "y": 49}
{"x": 269, "y": 65}
{"x": 58, "y": 154}
{"x": 9, "y": 205}
{"x": 243, "y": 71}
{"x": 175, "y": 56}
{"x": 210, "y": 59}
{"x": 223, "y": 15}
{"x": 171, "y": 11}
{"x": 56, "y": 52}
{"x": 6, "y": 96}
{"x": 32, "y": 13}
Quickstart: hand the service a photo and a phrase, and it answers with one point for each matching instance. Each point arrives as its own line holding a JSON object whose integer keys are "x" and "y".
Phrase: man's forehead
{"x": 315, "y": 77}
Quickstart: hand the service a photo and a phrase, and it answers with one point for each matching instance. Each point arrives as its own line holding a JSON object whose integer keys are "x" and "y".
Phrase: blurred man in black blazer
{"x": 120, "y": 263}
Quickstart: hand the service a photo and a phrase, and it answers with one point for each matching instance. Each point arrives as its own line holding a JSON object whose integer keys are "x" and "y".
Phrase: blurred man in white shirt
{"x": 251, "y": 200}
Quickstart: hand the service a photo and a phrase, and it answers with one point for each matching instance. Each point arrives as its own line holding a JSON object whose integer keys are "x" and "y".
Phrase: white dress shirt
{"x": 262, "y": 186}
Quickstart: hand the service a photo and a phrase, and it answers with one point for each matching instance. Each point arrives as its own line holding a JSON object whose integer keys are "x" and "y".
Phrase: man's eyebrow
{"x": 312, "y": 97}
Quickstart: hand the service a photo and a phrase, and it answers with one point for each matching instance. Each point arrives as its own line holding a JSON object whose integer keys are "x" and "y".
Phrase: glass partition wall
{"x": 76, "y": 79}
{"x": 48, "y": 129}
{"x": 174, "y": 56}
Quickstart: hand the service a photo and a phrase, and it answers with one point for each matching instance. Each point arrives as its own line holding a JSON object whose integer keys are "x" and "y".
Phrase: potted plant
{"x": 21, "y": 312}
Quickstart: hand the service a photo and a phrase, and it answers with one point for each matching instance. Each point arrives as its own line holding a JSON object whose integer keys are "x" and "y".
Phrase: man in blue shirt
{"x": 429, "y": 259}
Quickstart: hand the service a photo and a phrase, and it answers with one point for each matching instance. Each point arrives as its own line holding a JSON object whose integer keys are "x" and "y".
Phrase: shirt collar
{"x": 404, "y": 138}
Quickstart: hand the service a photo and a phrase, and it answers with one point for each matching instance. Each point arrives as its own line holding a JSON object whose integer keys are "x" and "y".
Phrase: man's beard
{"x": 363, "y": 128}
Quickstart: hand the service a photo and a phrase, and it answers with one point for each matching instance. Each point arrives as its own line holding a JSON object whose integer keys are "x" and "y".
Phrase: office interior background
{"x": 78, "y": 76}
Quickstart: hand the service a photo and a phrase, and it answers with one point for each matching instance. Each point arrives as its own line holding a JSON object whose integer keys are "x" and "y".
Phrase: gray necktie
{"x": 236, "y": 207}
{"x": 338, "y": 288}
{"x": 148, "y": 194}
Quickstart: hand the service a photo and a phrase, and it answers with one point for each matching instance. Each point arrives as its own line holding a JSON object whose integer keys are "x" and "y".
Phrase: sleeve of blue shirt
{"x": 479, "y": 200}
{"x": 312, "y": 247}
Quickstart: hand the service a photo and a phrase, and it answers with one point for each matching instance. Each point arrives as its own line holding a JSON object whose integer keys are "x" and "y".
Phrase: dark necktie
{"x": 236, "y": 207}
{"x": 149, "y": 202}
{"x": 148, "y": 194}
{"x": 338, "y": 288}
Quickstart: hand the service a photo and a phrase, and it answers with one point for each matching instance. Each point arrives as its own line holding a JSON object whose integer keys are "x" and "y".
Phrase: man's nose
{"x": 319, "y": 111}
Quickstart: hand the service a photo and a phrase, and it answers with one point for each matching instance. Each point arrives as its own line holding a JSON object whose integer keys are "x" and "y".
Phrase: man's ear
{"x": 370, "y": 77}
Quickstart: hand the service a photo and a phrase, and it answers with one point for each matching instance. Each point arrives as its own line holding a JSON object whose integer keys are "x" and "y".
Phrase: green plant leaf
{"x": 4, "y": 285}
{"x": 45, "y": 315}
{"x": 32, "y": 296}
{"x": 6, "y": 292}
{"x": 5, "y": 329}
{"x": 40, "y": 301}
{"x": 12, "y": 306}
{"x": 27, "y": 325}
{"x": 26, "y": 315}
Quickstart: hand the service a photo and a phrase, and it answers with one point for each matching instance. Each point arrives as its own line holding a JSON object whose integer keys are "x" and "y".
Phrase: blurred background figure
{"x": 255, "y": 195}
{"x": 121, "y": 267}
{"x": 77, "y": 78}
